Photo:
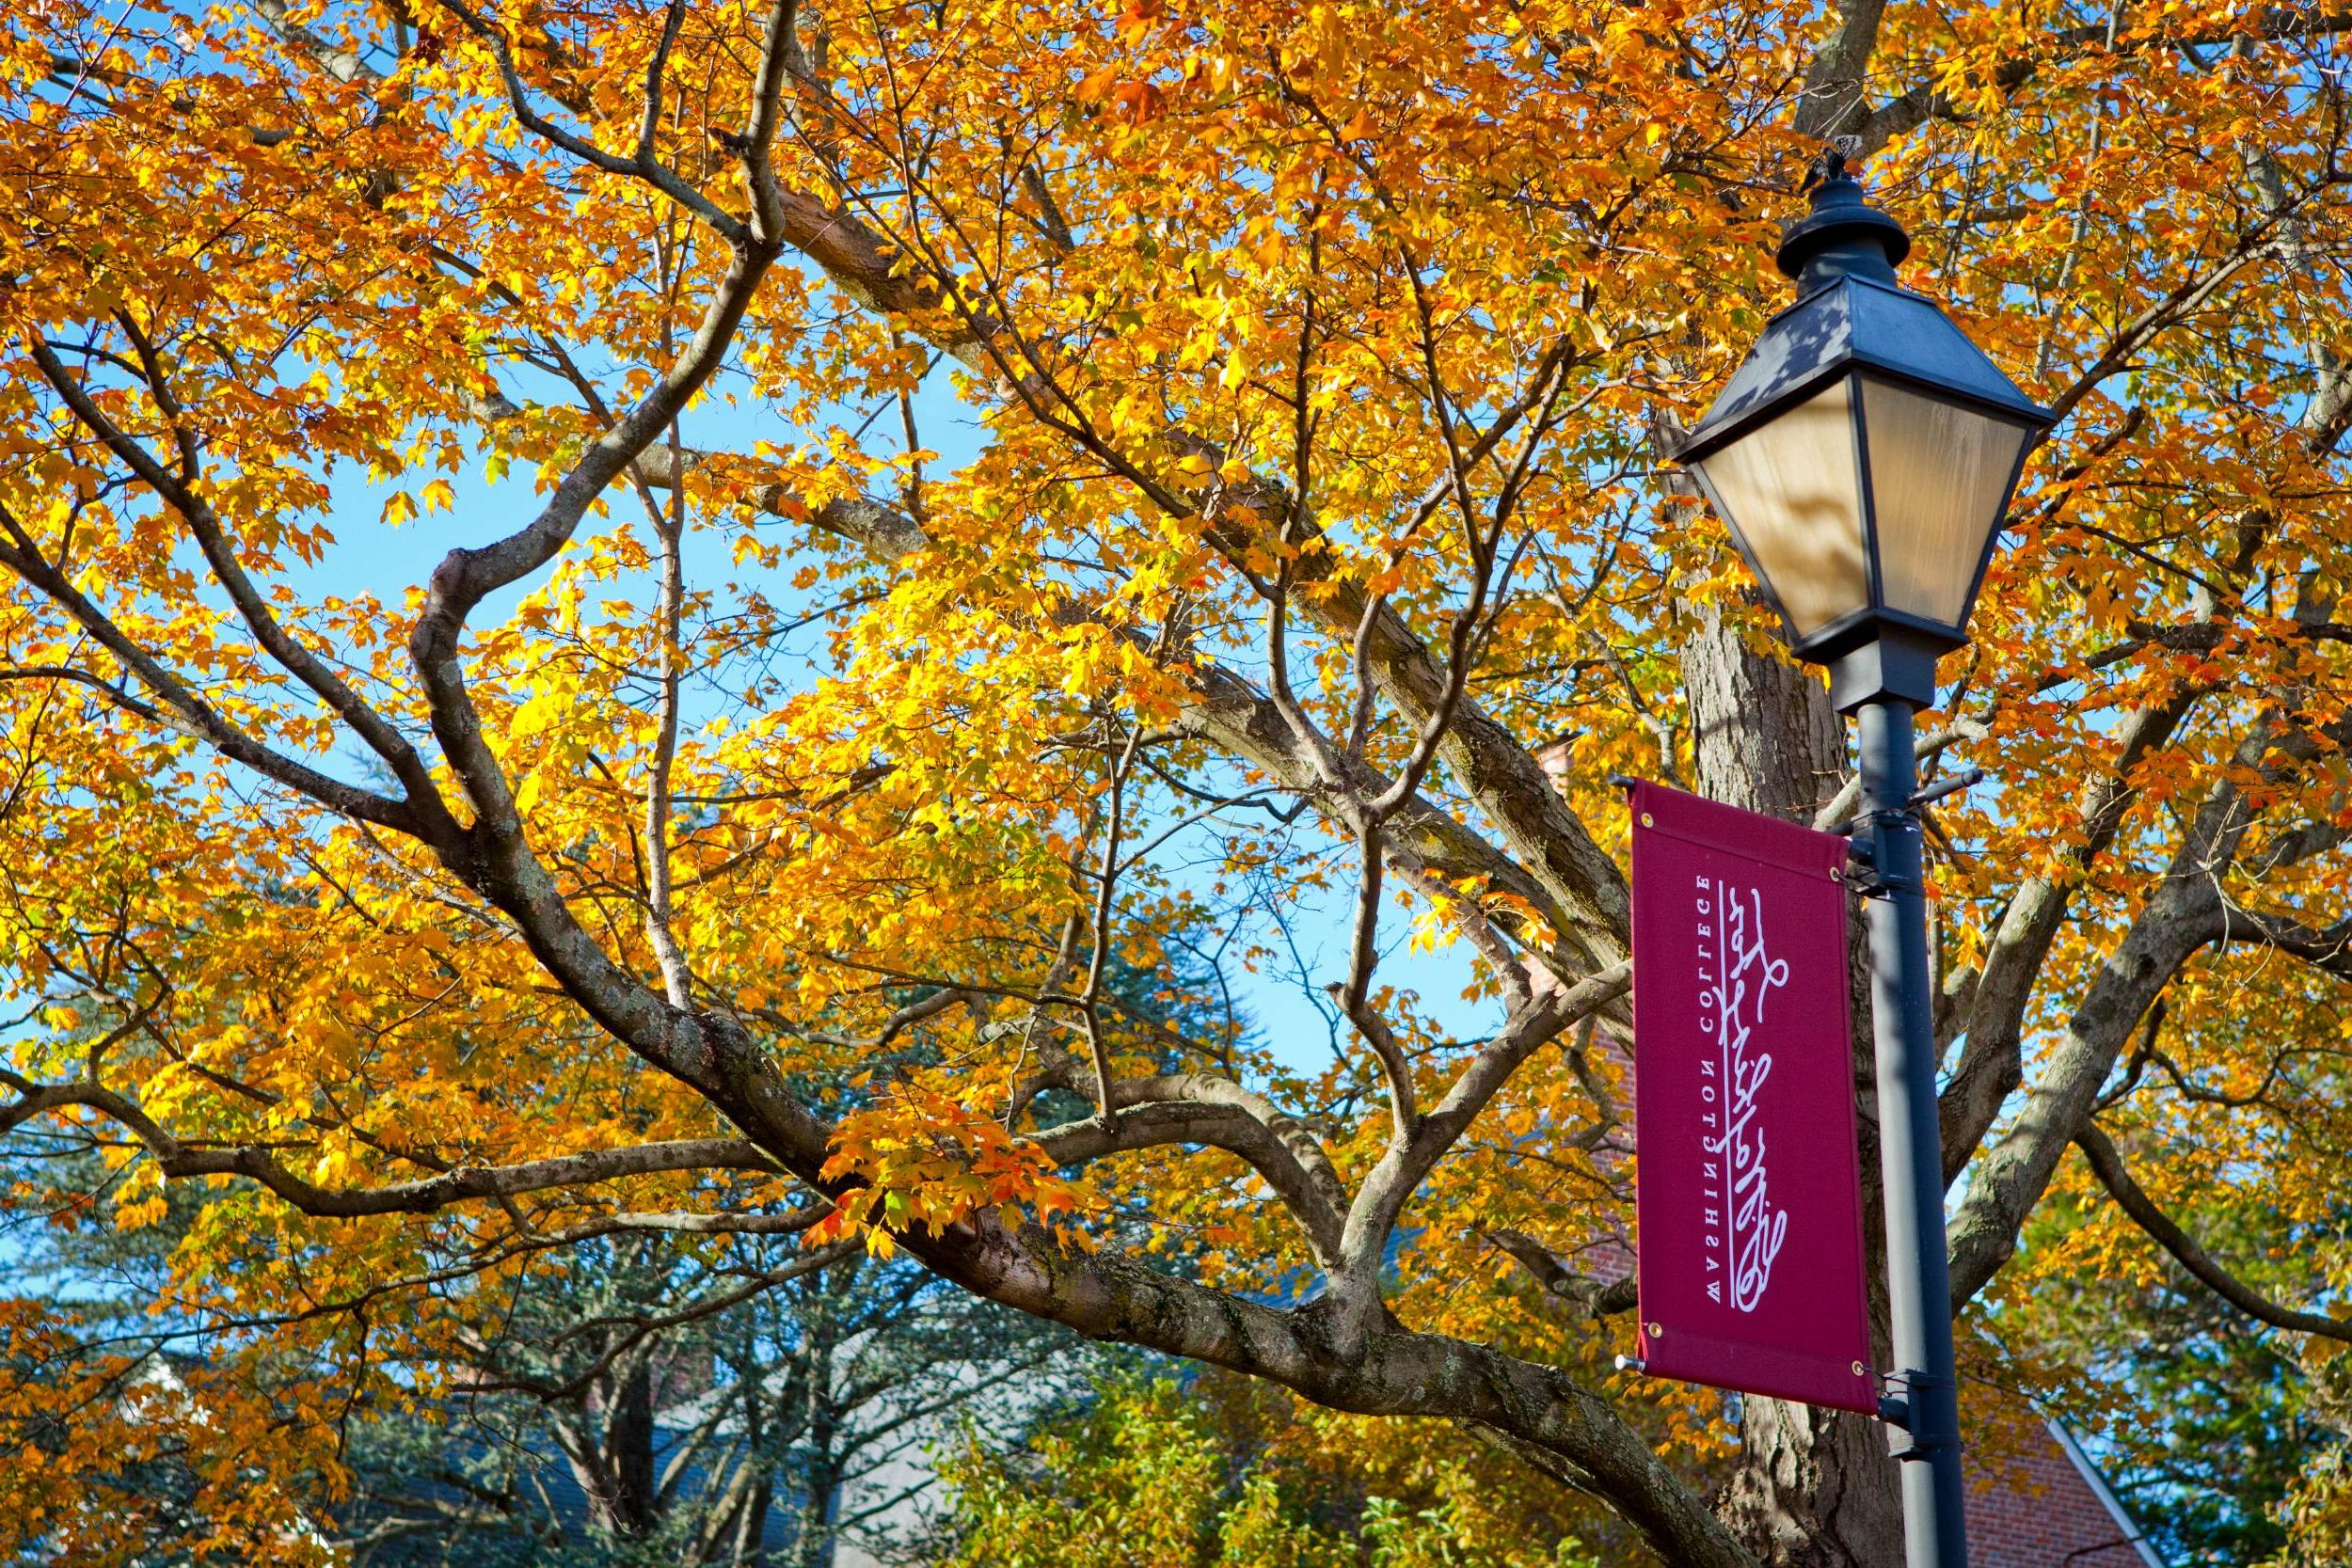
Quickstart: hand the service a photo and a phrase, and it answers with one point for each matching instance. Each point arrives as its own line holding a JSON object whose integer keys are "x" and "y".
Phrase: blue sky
{"x": 373, "y": 556}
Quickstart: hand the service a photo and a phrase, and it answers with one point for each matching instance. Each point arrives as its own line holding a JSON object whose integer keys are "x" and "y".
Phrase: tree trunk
{"x": 821, "y": 1479}
{"x": 1813, "y": 1488}
{"x": 606, "y": 1439}
{"x": 629, "y": 1440}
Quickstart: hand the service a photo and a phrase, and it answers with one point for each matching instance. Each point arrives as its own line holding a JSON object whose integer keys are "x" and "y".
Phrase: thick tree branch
{"x": 1407, "y": 1162}
{"x": 1834, "y": 79}
{"x": 2107, "y": 1163}
{"x": 1874, "y": 128}
{"x": 180, "y": 1160}
{"x": 1541, "y": 1411}
{"x": 1540, "y": 832}
{"x": 187, "y": 711}
{"x": 439, "y": 1191}
{"x": 1992, "y": 1063}
{"x": 1602, "y": 1298}
{"x": 1152, "y": 1124}
{"x": 1425, "y": 843}
{"x": 2327, "y": 949}
{"x": 654, "y": 173}
{"x": 2182, "y": 915}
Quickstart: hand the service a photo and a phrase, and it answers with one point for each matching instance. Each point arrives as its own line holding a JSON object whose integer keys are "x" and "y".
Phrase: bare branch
{"x": 178, "y": 1158}
{"x": 1206, "y": 1108}
{"x": 178, "y": 492}
{"x": 1159, "y": 1123}
{"x": 182, "y": 708}
{"x": 1875, "y": 128}
{"x": 2327, "y": 949}
{"x": 2182, "y": 915}
{"x": 654, "y": 173}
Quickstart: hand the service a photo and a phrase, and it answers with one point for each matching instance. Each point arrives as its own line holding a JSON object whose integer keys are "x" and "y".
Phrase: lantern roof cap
{"x": 1841, "y": 232}
{"x": 1855, "y": 323}
{"x": 1850, "y": 313}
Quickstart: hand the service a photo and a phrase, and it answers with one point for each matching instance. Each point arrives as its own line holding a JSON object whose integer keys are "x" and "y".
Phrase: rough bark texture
{"x": 1815, "y": 1488}
{"x": 1763, "y": 735}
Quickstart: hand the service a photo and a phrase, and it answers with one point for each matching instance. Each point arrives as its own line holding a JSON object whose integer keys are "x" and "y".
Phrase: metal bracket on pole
{"x": 1865, "y": 837}
{"x": 1863, "y": 834}
{"x": 1953, "y": 786}
{"x": 1902, "y": 1441}
{"x": 1968, "y": 778}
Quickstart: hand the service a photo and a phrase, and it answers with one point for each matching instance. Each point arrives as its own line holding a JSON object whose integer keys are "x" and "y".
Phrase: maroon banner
{"x": 1746, "y": 1194}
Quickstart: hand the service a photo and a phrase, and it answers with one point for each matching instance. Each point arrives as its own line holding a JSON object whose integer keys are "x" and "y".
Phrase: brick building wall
{"x": 2044, "y": 1506}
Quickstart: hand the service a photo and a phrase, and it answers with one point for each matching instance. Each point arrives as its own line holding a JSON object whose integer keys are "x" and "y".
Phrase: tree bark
{"x": 607, "y": 1440}
{"x": 820, "y": 1480}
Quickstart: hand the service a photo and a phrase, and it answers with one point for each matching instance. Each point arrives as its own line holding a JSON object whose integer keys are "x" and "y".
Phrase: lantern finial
{"x": 1842, "y": 236}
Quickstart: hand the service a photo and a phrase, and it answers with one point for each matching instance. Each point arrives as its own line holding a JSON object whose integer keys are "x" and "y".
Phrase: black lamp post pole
{"x": 1910, "y": 1161}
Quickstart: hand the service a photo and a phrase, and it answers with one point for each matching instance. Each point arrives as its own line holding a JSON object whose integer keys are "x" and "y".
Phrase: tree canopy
{"x": 631, "y": 617}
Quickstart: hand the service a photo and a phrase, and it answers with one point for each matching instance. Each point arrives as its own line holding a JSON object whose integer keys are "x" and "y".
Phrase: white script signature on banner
{"x": 1743, "y": 1229}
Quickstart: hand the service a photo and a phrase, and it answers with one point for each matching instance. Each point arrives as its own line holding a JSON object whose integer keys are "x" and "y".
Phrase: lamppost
{"x": 1863, "y": 457}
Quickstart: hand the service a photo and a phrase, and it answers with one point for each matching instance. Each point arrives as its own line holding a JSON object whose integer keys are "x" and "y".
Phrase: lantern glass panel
{"x": 1789, "y": 488}
{"x": 1940, "y": 477}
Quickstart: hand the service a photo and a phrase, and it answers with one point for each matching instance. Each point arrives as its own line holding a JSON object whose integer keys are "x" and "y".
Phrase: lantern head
{"x": 1864, "y": 456}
